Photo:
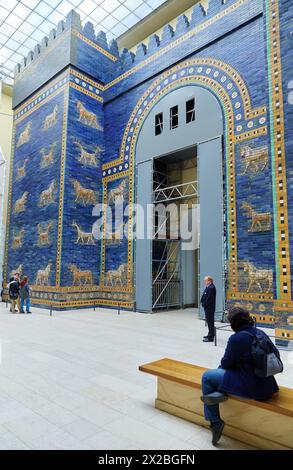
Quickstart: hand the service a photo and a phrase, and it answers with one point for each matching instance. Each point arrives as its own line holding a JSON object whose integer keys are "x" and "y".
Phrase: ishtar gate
{"x": 198, "y": 115}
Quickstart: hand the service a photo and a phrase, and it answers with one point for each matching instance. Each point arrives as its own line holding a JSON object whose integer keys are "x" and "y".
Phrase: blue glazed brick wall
{"x": 40, "y": 172}
{"x": 234, "y": 33}
{"x": 284, "y": 316}
{"x": 85, "y": 145}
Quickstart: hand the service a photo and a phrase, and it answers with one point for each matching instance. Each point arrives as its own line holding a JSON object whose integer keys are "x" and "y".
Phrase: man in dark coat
{"x": 235, "y": 375}
{"x": 208, "y": 301}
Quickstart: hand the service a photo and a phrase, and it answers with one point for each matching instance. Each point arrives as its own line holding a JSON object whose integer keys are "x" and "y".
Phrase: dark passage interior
{"x": 174, "y": 262}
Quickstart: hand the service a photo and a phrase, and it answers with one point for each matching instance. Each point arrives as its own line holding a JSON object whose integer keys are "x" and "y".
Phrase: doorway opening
{"x": 178, "y": 161}
{"x": 175, "y": 271}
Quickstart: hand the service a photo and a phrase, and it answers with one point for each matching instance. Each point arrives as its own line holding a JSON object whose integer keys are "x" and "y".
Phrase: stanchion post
{"x": 51, "y": 310}
{"x": 118, "y": 309}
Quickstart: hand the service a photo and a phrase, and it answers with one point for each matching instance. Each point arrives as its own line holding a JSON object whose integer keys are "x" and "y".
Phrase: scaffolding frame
{"x": 167, "y": 286}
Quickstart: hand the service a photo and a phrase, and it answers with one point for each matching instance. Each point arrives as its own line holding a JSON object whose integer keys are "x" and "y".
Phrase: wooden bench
{"x": 265, "y": 425}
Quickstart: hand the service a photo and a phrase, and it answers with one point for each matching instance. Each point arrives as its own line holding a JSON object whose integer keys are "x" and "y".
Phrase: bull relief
{"x": 25, "y": 135}
{"x": 21, "y": 170}
{"x": 51, "y": 119}
{"x": 260, "y": 279}
{"x": 260, "y": 221}
{"x": 83, "y": 196}
{"x": 44, "y": 233}
{"x": 87, "y": 117}
{"x": 43, "y": 276}
{"x": 48, "y": 156}
{"x": 116, "y": 277}
{"x": 47, "y": 196}
{"x": 20, "y": 204}
{"x": 79, "y": 277}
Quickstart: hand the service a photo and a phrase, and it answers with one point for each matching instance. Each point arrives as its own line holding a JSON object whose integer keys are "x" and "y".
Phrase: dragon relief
{"x": 254, "y": 160}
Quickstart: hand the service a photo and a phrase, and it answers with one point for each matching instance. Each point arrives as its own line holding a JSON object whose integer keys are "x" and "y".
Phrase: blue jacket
{"x": 239, "y": 378}
{"x": 208, "y": 298}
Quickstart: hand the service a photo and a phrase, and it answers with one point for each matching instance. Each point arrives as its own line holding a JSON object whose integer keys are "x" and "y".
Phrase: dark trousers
{"x": 210, "y": 319}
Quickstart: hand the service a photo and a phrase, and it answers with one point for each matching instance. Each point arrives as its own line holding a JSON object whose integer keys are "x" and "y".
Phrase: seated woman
{"x": 236, "y": 373}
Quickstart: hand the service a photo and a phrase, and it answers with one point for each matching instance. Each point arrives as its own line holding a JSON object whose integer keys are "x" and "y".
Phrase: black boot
{"x": 217, "y": 430}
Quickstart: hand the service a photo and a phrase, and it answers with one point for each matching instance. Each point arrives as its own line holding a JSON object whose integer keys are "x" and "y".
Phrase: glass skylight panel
{"x": 43, "y": 9}
{"x": 155, "y": 3}
{"x": 109, "y": 22}
{"x": 143, "y": 11}
{"x": 10, "y": 4}
{"x": 4, "y": 53}
{"x": 14, "y": 20}
{"x": 6, "y": 30}
{"x": 17, "y": 57}
{"x": 53, "y": 3}
{"x": 23, "y": 50}
{"x": 76, "y": 3}
{"x": 64, "y": 7}
{"x": 30, "y": 43}
{"x": 131, "y": 20}
{"x": 35, "y": 19}
{"x": 119, "y": 29}
{"x": 36, "y": 36}
{"x": 18, "y": 36}
{"x": 87, "y": 6}
{"x": 55, "y": 17}
{"x": 3, "y": 13}
{"x": 120, "y": 12}
{"x": 30, "y": 3}
{"x": 110, "y": 5}
{"x": 22, "y": 11}
{"x": 98, "y": 15}
{"x": 10, "y": 64}
{"x": 26, "y": 28}
{"x": 46, "y": 27}
{"x": 132, "y": 4}
{"x": 24, "y": 23}
{"x": 12, "y": 45}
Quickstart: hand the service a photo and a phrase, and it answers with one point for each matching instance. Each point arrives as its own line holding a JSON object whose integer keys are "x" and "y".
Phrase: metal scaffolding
{"x": 166, "y": 250}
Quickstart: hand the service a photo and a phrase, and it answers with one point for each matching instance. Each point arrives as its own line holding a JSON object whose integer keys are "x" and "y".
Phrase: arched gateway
{"x": 177, "y": 170}
{"x": 222, "y": 107}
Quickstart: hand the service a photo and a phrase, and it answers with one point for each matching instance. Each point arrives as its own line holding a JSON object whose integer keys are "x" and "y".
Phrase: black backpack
{"x": 265, "y": 356}
{"x": 14, "y": 290}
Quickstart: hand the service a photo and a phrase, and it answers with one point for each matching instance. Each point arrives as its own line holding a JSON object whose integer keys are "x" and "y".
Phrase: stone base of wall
{"x": 66, "y": 299}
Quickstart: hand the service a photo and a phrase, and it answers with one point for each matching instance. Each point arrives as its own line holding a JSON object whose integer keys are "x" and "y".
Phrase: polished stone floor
{"x": 71, "y": 381}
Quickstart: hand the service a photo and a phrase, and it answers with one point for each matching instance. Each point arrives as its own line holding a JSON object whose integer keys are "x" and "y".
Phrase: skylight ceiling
{"x": 23, "y": 23}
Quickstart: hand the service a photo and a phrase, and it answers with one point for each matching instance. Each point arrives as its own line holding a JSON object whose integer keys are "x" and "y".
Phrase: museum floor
{"x": 70, "y": 381}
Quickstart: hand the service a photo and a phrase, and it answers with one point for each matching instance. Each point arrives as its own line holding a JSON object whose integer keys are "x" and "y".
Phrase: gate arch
{"x": 241, "y": 122}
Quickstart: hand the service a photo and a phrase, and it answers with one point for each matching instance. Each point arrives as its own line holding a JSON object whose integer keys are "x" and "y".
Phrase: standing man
{"x": 208, "y": 301}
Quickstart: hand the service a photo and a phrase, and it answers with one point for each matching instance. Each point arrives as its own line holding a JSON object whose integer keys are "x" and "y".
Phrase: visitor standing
{"x": 25, "y": 295}
{"x": 208, "y": 301}
{"x": 13, "y": 292}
